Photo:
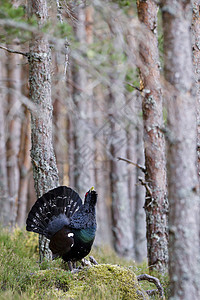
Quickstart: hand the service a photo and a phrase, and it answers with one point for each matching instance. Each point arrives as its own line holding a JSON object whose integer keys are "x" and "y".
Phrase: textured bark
{"x": 14, "y": 128}
{"x": 24, "y": 165}
{"x": 4, "y": 199}
{"x": 196, "y": 62}
{"x": 82, "y": 96}
{"x": 182, "y": 173}
{"x": 156, "y": 205}
{"x": 45, "y": 171}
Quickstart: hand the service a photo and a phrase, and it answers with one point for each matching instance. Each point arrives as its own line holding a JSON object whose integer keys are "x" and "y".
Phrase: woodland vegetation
{"x": 104, "y": 94}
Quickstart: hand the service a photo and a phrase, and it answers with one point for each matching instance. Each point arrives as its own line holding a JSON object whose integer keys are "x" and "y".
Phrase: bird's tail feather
{"x": 61, "y": 201}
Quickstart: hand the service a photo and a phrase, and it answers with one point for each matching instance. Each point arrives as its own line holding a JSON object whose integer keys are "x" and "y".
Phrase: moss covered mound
{"x": 103, "y": 281}
{"x": 120, "y": 281}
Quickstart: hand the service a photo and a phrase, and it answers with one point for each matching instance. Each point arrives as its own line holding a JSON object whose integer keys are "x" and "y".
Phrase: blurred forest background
{"x": 97, "y": 117}
{"x": 122, "y": 86}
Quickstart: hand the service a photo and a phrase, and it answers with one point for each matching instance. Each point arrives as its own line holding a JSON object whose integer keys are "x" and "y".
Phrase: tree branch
{"x": 66, "y": 44}
{"x": 57, "y": 42}
{"x": 13, "y": 51}
{"x": 155, "y": 281}
{"x": 148, "y": 189}
{"x": 143, "y": 169}
{"x": 133, "y": 86}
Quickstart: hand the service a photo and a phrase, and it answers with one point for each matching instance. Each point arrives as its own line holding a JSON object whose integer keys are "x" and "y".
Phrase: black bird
{"x": 69, "y": 224}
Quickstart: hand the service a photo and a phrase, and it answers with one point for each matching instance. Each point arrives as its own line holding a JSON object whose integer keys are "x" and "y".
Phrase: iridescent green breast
{"x": 86, "y": 235}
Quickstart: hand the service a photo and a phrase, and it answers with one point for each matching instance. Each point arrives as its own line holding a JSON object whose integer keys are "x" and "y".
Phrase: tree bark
{"x": 102, "y": 174}
{"x": 156, "y": 204}
{"x": 24, "y": 166}
{"x": 181, "y": 135}
{"x": 4, "y": 199}
{"x": 140, "y": 226}
{"x": 121, "y": 204}
{"x": 45, "y": 171}
{"x": 59, "y": 137}
{"x": 14, "y": 129}
{"x": 82, "y": 96}
{"x": 196, "y": 63}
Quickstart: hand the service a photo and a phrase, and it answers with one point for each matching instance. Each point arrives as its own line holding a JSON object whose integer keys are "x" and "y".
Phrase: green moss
{"x": 21, "y": 277}
{"x": 107, "y": 278}
{"x": 56, "y": 278}
{"x": 103, "y": 281}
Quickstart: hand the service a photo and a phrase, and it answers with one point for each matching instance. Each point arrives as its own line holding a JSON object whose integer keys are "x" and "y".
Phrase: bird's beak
{"x": 92, "y": 189}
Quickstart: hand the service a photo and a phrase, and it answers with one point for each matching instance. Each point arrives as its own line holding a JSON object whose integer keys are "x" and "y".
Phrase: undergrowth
{"x": 22, "y": 277}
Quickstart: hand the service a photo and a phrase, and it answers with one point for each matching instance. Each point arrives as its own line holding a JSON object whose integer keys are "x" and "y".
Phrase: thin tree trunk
{"x": 45, "y": 171}
{"x": 4, "y": 199}
{"x": 82, "y": 95}
{"x": 131, "y": 129}
{"x": 102, "y": 166}
{"x": 156, "y": 205}
{"x": 121, "y": 204}
{"x": 140, "y": 225}
{"x": 60, "y": 123}
{"x": 24, "y": 166}
{"x": 14, "y": 130}
{"x": 70, "y": 131}
{"x": 182, "y": 174}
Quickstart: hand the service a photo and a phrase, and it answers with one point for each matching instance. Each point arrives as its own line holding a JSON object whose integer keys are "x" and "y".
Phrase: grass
{"x": 22, "y": 277}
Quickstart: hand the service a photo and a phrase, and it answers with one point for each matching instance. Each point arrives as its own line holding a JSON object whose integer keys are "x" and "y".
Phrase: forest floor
{"x": 22, "y": 277}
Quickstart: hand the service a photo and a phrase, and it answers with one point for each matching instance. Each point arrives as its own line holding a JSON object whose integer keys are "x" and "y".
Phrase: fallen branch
{"x": 154, "y": 280}
{"x": 143, "y": 169}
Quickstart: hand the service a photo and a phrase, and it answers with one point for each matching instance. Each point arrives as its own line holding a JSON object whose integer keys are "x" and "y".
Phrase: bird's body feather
{"x": 70, "y": 225}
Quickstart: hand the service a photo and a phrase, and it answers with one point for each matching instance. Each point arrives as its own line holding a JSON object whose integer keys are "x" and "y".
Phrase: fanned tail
{"x": 53, "y": 210}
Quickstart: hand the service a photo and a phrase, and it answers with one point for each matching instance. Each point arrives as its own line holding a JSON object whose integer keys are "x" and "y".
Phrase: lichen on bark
{"x": 183, "y": 185}
{"x": 45, "y": 171}
{"x": 156, "y": 203}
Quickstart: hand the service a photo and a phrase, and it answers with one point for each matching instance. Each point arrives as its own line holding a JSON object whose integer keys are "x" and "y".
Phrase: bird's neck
{"x": 86, "y": 235}
{"x": 84, "y": 218}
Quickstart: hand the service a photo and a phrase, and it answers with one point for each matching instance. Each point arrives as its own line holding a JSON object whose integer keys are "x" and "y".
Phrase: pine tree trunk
{"x": 121, "y": 204}
{"x": 60, "y": 123}
{"x": 182, "y": 174}
{"x": 45, "y": 171}
{"x": 70, "y": 132}
{"x": 14, "y": 129}
{"x": 24, "y": 164}
{"x": 140, "y": 225}
{"x": 196, "y": 62}
{"x": 136, "y": 191}
{"x": 82, "y": 96}
{"x": 102, "y": 165}
{"x": 4, "y": 199}
{"x": 132, "y": 176}
{"x": 156, "y": 205}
